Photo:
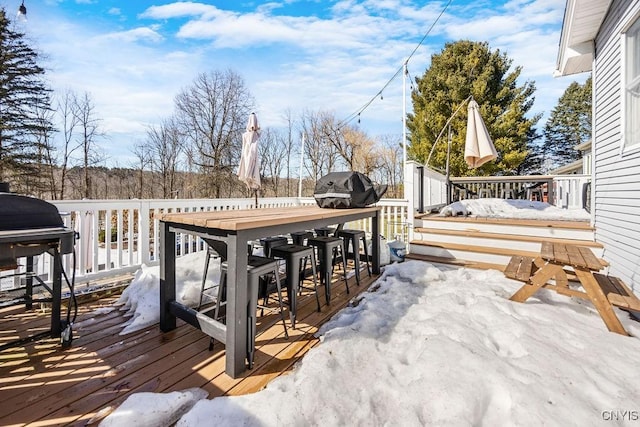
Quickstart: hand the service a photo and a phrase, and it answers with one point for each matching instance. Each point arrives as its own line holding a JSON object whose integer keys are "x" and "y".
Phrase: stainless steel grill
{"x": 30, "y": 227}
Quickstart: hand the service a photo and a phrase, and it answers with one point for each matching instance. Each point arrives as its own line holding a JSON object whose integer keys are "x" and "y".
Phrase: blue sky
{"x": 133, "y": 57}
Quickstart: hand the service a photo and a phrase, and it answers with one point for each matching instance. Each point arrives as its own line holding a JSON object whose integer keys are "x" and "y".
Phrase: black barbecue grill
{"x": 30, "y": 227}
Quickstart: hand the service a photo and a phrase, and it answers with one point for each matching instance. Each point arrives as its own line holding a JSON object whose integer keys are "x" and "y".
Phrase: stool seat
{"x": 324, "y": 231}
{"x": 327, "y": 250}
{"x": 269, "y": 243}
{"x": 352, "y": 238}
{"x": 293, "y": 256}
{"x": 298, "y": 237}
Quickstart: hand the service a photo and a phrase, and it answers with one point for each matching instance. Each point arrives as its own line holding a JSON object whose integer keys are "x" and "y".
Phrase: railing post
{"x": 409, "y": 196}
{"x": 144, "y": 236}
{"x": 550, "y": 195}
{"x": 420, "y": 189}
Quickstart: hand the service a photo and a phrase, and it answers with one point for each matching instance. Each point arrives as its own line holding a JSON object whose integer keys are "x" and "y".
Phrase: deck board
{"x": 43, "y": 384}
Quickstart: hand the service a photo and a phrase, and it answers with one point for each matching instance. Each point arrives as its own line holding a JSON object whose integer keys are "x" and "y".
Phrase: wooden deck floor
{"x": 44, "y": 385}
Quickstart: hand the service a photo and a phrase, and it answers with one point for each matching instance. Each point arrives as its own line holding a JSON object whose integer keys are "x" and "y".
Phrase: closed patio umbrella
{"x": 478, "y": 148}
{"x": 249, "y": 170}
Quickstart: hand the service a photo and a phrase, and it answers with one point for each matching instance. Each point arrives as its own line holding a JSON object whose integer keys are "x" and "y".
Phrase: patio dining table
{"x": 233, "y": 229}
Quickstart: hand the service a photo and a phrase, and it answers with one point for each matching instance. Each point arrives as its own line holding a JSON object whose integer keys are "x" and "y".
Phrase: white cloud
{"x": 180, "y": 10}
{"x": 335, "y": 62}
{"x": 136, "y": 34}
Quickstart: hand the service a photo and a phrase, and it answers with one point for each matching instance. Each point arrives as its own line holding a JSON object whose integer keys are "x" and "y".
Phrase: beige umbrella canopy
{"x": 249, "y": 171}
{"x": 478, "y": 148}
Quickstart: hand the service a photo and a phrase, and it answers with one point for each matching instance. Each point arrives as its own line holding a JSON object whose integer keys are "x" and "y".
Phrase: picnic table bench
{"x": 550, "y": 269}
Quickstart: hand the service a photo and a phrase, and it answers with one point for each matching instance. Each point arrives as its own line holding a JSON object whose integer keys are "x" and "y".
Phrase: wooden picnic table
{"x": 232, "y": 229}
{"x": 550, "y": 269}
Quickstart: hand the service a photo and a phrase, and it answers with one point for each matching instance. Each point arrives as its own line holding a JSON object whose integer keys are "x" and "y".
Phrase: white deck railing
{"x": 566, "y": 192}
{"x": 118, "y": 236}
{"x": 426, "y": 189}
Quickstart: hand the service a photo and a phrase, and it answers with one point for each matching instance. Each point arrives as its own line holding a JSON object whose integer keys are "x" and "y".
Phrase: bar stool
{"x": 257, "y": 267}
{"x": 534, "y": 194}
{"x": 293, "y": 256}
{"x": 462, "y": 193}
{"x": 211, "y": 253}
{"x": 352, "y": 238}
{"x": 327, "y": 251}
{"x": 324, "y": 231}
{"x": 507, "y": 193}
{"x": 298, "y": 237}
{"x": 484, "y": 193}
{"x": 215, "y": 249}
{"x": 269, "y": 243}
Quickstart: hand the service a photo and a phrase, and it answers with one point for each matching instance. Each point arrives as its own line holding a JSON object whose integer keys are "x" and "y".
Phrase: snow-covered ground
{"x": 436, "y": 346}
{"x": 428, "y": 345}
{"x": 507, "y": 208}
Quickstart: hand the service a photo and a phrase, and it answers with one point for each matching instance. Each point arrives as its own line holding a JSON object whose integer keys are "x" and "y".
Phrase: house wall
{"x": 616, "y": 191}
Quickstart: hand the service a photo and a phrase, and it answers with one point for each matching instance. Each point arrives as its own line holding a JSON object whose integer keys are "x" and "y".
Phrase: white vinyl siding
{"x": 631, "y": 82}
{"x": 616, "y": 172}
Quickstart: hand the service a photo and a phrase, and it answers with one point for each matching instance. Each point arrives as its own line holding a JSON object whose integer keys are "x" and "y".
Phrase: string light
{"x": 355, "y": 114}
{"x": 22, "y": 12}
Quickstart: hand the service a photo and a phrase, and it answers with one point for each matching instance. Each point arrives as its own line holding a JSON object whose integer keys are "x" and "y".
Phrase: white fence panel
{"x": 118, "y": 236}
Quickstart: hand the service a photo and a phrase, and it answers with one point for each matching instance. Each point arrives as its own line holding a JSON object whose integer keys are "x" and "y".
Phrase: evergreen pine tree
{"x": 23, "y": 97}
{"x": 466, "y": 68}
{"x": 568, "y": 125}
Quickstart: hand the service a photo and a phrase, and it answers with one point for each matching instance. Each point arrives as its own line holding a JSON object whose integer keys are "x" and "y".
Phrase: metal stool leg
{"x": 251, "y": 317}
{"x": 204, "y": 276}
{"x": 315, "y": 281}
{"x": 344, "y": 267}
{"x": 366, "y": 255}
{"x": 356, "y": 257}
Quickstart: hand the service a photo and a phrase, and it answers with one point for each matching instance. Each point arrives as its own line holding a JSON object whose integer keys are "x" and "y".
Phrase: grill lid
{"x": 23, "y": 213}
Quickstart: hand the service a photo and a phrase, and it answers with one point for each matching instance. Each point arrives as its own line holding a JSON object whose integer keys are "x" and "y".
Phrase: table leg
{"x": 167, "y": 277}
{"x": 600, "y": 301}
{"x": 538, "y": 280}
{"x": 252, "y": 307}
{"x": 237, "y": 305}
{"x": 375, "y": 243}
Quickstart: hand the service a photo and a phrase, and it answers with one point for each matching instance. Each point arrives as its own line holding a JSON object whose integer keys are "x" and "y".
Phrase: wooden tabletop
{"x": 575, "y": 256}
{"x": 242, "y": 219}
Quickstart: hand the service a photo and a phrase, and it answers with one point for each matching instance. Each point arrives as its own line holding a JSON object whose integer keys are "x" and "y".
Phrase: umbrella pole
{"x": 448, "y": 181}
{"x": 255, "y": 193}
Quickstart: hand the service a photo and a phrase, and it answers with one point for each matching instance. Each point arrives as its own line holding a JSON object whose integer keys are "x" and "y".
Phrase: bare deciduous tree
{"x": 69, "y": 122}
{"x": 290, "y": 148}
{"x": 320, "y": 154}
{"x": 165, "y": 147}
{"x": 273, "y": 155}
{"x": 389, "y": 170}
{"x": 212, "y": 113}
{"x": 142, "y": 152}
{"x": 88, "y": 123}
{"x": 355, "y": 148}
{"x": 43, "y": 134}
